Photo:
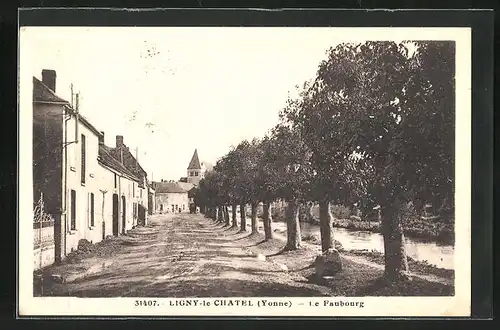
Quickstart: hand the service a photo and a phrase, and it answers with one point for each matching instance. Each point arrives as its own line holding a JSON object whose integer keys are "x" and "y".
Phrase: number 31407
{"x": 146, "y": 303}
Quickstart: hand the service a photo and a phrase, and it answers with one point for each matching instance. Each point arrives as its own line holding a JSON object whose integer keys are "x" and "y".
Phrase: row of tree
{"x": 374, "y": 127}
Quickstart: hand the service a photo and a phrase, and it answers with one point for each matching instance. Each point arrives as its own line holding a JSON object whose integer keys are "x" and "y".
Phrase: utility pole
{"x": 77, "y": 101}
{"x": 77, "y": 106}
{"x": 71, "y": 86}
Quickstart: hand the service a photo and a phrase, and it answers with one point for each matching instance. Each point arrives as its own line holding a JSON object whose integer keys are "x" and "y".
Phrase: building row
{"x": 83, "y": 189}
{"x": 178, "y": 196}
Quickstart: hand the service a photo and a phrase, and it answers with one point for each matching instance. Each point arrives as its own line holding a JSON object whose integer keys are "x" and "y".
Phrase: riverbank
{"x": 361, "y": 275}
{"x": 421, "y": 228}
{"x": 415, "y": 266}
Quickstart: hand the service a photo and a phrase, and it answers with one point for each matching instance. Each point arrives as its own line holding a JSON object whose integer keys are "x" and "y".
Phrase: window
{"x": 83, "y": 159}
{"x": 140, "y": 192}
{"x": 191, "y": 174}
{"x": 91, "y": 209}
{"x": 161, "y": 207}
{"x": 195, "y": 173}
{"x": 133, "y": 189}
{"x": 73, "y": 210}
{"x": 115, "y": 181}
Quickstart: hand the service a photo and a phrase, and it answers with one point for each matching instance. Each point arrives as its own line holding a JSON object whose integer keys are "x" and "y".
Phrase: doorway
{"x": 115, "y": 214}
{"x": 141, "y": 219}
{"x": 124, "y": 215}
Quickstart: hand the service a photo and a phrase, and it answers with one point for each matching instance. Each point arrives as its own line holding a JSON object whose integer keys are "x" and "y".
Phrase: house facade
{"x": 118, "y": 189}
{"x": 81, "y": 189}
{"x": 170, "y": 197}
{"x": 139, "y": 196}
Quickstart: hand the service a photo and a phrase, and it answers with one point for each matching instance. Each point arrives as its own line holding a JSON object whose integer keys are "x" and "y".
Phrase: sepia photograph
{"x": 243, "y": 168}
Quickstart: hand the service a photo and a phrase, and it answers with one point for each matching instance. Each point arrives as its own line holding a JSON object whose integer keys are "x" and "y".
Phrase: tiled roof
{"x": 186, "y": 186}
{"x": 129, "y": 161}
{"x": 42, "y": 93}
{"x": 106, "y": 158}
{"x": 168, "y": 187}
{"x": 195, "y": 162}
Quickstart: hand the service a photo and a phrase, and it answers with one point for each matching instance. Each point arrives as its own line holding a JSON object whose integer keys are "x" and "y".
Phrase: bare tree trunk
{"x": 255, "y": 228}
{"x": 309, "y": 214}
{"x": 325, "y": 221}
{"x": 396, "y": 263}
{"x": 267, "y": 219}
{"x": 293, "y": 226}
{"x": 226, "y": 216}
{"x": 243, "y": 218}
{"x": 233, "y": 211}
{"x": 219, "y": 216}
{"x": 222, "y": 214}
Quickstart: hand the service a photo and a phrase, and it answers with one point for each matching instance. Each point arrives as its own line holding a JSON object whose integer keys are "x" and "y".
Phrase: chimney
{"x": 49, "y": 79}
{"x": 101, "y": 138}
{"x": 119, "y": 141}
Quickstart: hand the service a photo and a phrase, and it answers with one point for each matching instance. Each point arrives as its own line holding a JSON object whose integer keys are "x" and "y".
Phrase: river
{"x": 436, "y": 254}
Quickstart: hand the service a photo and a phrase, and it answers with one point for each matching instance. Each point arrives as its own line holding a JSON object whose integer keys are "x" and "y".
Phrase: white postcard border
{"x": 458, "y": 305}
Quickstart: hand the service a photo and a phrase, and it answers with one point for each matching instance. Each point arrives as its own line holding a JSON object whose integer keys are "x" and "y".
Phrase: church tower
{"x": 195, "y": 171}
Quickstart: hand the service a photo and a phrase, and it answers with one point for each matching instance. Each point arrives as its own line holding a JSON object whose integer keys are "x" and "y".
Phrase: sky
{"x": 169, "y": 90}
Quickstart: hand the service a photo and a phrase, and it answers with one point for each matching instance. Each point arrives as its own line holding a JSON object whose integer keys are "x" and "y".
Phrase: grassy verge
{"x": 418, "y": 267}
{"x": 355, "y": 279}
{"x": 415, "y": 266}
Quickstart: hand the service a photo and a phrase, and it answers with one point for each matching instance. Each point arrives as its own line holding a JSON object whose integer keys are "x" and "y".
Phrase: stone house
{"x": 83, "y": 190}
{"x": 139, "y": 190}
{"x": 117, "y": 186}
{"x": 170, "y": 197}
{"x": 65, "y": 148}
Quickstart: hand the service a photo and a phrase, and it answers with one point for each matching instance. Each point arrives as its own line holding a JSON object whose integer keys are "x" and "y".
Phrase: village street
{"x": 181, "y": 255}
{"x": 188, "y": 255}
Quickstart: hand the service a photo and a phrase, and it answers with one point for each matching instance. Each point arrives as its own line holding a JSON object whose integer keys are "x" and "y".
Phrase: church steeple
{"x": 194, "y": 164}
{"x": 195, "y": 172}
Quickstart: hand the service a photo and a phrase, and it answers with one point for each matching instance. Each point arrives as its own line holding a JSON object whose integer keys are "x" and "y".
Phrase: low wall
{"x": 44, "y": 257}
{"x": 43, "y": 244}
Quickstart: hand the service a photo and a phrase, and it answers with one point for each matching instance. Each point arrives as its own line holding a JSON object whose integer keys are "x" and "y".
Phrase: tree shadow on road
{"x": 246, "y": 235}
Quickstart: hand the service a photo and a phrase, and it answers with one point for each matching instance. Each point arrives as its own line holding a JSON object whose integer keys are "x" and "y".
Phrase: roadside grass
{"x": 355, "y": 279}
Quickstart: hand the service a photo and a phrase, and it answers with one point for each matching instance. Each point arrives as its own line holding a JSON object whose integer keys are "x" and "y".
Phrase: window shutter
{"x": 83, "y": 158}
{"x": 92, "y": 209}
{"x": 73, "y": 210}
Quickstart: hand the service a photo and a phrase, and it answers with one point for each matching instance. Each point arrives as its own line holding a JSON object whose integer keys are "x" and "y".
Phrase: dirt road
{"x": 187, "y": 255}
{"x": 182, "y": 255}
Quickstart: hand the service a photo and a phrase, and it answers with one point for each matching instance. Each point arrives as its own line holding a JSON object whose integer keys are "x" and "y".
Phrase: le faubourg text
{"x": 245, "y": 303}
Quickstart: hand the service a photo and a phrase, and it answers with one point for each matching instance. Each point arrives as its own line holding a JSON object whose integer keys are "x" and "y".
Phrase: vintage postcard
{"x": 244, "y": 171}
